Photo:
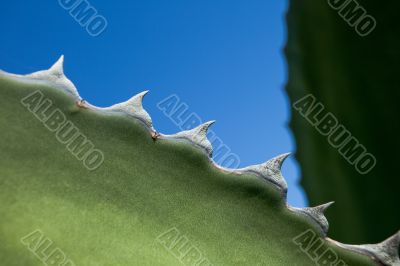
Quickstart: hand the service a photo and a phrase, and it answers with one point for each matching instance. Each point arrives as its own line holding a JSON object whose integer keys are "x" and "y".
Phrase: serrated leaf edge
{"x": 385, "y": 252}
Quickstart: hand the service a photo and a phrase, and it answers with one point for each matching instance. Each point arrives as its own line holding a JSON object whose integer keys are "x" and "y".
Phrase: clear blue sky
{"x": 222, "y": 58}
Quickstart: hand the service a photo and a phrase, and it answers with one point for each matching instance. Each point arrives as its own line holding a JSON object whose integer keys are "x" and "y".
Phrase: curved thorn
{"x": 133, "y": 107}
{"x": 197, "y": 136}
{"x": 58, "y": 67}
{"x": 386, "y": 252}
{"x": 270, "y": 171}
{"x": 56, "y": 70}
{"x": 277, "y": 162}
{"x": 317, "y": 215}
{"x": 55, "y": 75}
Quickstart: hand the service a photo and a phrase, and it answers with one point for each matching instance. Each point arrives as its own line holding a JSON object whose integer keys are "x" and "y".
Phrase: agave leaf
{"x": 150, "y": 202}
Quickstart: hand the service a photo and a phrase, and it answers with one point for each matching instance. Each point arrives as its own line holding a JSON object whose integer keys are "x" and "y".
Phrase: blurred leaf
{"x": 357, "y": 79}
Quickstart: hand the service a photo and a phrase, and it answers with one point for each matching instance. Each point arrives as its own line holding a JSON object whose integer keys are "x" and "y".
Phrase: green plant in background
{"x": 355, "y": 78}
{"x": 83, "y": 185}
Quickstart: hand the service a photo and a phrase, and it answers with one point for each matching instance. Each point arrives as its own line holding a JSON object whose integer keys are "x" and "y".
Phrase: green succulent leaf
{"x": 83, "y": 185}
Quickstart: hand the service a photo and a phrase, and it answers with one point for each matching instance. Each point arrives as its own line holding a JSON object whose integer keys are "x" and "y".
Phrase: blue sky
{"x": 222, "y": 58}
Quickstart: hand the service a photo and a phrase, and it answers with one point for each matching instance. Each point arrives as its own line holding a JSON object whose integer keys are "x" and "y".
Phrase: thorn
{"x": 58, "y": 67}
{"x": 322, "y": 208}
{"x": 386, "y": 252}
{"x": 55, "y": 76}
{"x": 270, "y": 171}
{"x": 199, "y": 133}
{"x": 202, "y": 129}
{"x": 137, "y": 100}
{"x": 134, "y": 108}
{"x": 276, "y": 163}
{"x": 197, "y": 136}
{"x": 135, "y": 103}
{"x": 55, "y": 72}
{"x": 317, "y": 215}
